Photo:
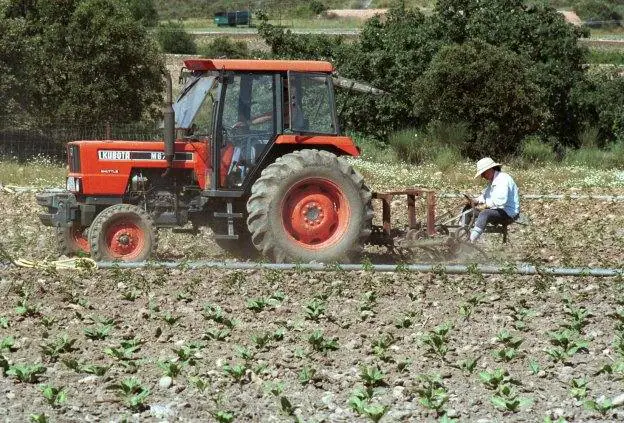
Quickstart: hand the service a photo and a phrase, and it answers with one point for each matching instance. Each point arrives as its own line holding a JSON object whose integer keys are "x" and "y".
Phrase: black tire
{"x": 72, "y": 240}
{"x": 288, "y": 180}
{"x": 122, "y": 232}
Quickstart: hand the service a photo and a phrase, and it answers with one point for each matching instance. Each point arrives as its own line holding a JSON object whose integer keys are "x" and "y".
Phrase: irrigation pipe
{"x": 454, "y": 269}
{"x": 14, "y": 189}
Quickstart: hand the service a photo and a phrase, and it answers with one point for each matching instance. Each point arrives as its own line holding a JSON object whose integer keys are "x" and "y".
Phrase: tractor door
{"x": 249, "y": 121}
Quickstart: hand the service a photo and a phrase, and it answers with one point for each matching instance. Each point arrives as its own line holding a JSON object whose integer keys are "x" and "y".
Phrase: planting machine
{"x": 252, "y": 150}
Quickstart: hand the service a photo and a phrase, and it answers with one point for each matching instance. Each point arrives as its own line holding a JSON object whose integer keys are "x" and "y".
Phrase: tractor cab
{"x": 242, "y": 108}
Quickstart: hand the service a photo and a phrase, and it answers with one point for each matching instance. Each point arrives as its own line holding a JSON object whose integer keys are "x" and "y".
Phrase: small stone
{"x": 165, "y": 382}
{"x": 618, "y": 400}
{"x": 10, "y": 395}
{"x": 541, "y": 374}
{"x": 452, "y": 413}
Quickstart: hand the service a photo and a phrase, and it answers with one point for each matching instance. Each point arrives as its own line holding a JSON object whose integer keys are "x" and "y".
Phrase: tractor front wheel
{"x": 122, "y": 232}
{"x": 72, "y": 240}
{"x": 310, "y": 205}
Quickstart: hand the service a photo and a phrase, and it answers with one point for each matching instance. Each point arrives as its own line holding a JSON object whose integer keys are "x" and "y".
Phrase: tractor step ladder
{"x": 230, "y": 216}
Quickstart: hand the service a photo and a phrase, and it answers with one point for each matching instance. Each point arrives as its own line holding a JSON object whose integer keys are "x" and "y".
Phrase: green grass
{"x": 39, "y": 172}
{"x": 204, "y": 24}
{"x": 614, "y": 56}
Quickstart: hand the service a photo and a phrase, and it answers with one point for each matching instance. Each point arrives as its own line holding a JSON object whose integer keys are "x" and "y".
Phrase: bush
{"x": 534, "y": 151}
{"x": 223, "y": 47}
{"x": 610, "y": 158}
{"x": 143, "y": 11}
{"x": 174, "y": 39}
{"x": 417, "y": 147}
{"x": 599, "y": 103}
{"x": 317, "y": 7}
{"x": 490, "y": 88}
{"x": 598, "y": 13}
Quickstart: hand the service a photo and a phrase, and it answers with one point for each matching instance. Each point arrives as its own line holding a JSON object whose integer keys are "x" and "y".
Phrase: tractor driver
{"x": 499, "y": 202}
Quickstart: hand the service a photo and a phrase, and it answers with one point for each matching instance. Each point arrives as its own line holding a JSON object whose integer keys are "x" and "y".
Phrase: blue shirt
{"x": 502, "y": 193}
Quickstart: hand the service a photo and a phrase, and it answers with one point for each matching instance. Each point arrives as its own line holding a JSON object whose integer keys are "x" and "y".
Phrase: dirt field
{"x": 183, "y": 345}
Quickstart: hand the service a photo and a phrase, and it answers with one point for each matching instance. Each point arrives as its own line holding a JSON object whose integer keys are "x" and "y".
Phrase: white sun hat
{"x": 485, "y": 164}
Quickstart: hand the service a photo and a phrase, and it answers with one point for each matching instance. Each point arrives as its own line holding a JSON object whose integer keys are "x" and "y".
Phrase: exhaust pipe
{"x": 169, "y": 123}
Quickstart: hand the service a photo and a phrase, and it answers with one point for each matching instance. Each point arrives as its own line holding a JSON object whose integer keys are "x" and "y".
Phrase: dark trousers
{"x": 495, "y": 216}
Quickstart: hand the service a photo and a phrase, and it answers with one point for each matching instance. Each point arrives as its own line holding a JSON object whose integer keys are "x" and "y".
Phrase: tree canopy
{"x": 77, "y": 61}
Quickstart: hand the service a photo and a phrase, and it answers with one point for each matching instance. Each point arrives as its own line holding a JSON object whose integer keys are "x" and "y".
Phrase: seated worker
{"x": 499, "y": 203}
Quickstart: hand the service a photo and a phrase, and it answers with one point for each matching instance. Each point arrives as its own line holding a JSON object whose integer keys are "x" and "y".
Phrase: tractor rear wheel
{"x": 72, "y": 240}
{"x": 310, "y": 205}
{"x": 122, "y": 232}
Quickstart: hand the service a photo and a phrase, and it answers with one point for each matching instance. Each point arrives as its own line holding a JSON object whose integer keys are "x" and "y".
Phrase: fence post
{"x": 107, "y": 131}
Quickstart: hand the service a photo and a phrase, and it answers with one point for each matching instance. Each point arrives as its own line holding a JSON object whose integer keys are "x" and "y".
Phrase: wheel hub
{"x": 315, "y": 213}
{"x": 125, "y": 239}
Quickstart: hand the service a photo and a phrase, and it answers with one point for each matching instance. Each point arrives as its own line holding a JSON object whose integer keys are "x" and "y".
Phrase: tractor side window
{"x": 311, "y": 103}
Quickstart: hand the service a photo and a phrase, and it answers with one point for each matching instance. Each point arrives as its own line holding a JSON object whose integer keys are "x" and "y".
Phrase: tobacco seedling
{"x": 170, "y": 319}
{"x": 131, "y": 294}
{"x": 199, "y": 383}
{"x": 170, "y": 368}
{"x": 25, "y": 308}
{"x": 578, "y": 315}
{"x": 4, "y": 322}
{"x": 7, "y": 343}
{"x": 98, "y": 333}
{"x": 216, "y": 334}
{"x": 28, "y": 373}
{"x": 47, "y": 321}
{"x": 566, "y": 344}
{"x": 380, "y": 346}
{"x": 55, "y": 348}
{"x": 372, "y": 376}
{"x": 132, "y": 393}
{"x": 519, "y": 315}
{"x": 578, "y": 388}
{"x": 262, "y": 340}
{"x": 431, "y": 392}
{"x": 492, "y": 380}
{"x": 38, "y": 418}
{"x": 223, "y": 416}
{"x": 257, "y": 304}
{"x": 95, "y": 369}
{"x": 187, "y": 353}
{"x": 360, "y": 403}
{"x": 510, "y": 345}
{"x": 405, "y": 321}
{"x": 306, "y": 375}
{"x": 244, "y": 353}
{"x": 319, "y": 343}
{"x": 508, "y": 400}
{"x": 602, "y": 405}
{"x": 54, "y": 396}
{"x": 215, "y": 313}
{"x": 437, "y": 341}
{"x": 369, "y": 300}
{"x": 534, "y": 366}
{"x": 403, "y": 365}
{"x": 275, "y": 388}
{"x": 125, "y": 350}
{"x": 468, "y": 365}
{"x": 237, "y": 371}
{"x": 315, "y": 309}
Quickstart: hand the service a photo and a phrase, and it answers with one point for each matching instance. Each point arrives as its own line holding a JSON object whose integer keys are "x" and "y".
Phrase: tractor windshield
{"x": 194, "y": 95}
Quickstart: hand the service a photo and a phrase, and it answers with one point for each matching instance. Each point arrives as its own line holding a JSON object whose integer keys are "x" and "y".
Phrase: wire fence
{"x": 23, "y": 143}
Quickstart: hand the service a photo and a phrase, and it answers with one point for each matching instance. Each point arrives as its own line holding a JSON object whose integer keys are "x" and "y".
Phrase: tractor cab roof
{"x": 259, "y": 65}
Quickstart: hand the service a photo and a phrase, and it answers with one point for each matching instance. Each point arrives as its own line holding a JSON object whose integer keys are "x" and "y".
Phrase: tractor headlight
{"x": 73, "y": 184}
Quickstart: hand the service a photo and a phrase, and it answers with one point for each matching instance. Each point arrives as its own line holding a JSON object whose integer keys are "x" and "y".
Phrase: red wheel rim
{"x": 76, "y": 233}
{"x": 315, "y": 213}
{"x": 124, "y": 239}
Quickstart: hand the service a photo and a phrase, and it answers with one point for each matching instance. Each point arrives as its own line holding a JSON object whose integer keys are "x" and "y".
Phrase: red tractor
{"x": 256, "y": 159}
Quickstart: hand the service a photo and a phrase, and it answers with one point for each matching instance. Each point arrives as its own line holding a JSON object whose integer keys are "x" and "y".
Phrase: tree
{"x": 489, "y": 88}
{"x": 143, "y": 11}
{"x": 174, "y": 39}
{"x": 86, "y": 61}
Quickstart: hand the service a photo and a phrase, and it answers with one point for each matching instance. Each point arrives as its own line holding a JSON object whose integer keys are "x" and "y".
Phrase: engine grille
{"x": 73, "y": 157}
